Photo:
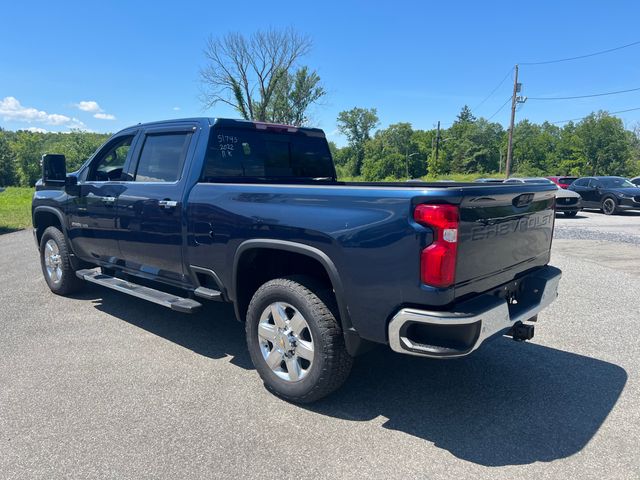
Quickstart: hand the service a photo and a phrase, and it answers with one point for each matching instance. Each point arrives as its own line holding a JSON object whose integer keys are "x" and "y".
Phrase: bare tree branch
{"x": 246, "y": 73}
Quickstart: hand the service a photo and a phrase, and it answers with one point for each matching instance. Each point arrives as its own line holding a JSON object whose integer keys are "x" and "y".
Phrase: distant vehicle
{"x": 567, "y": 202}
{"x": 609, "y": 194}
{"x": 489, "y": 180}
{"x": 529, "y": 180}
{"x": 635, "y": 181}
{"x": 563, "y": 182}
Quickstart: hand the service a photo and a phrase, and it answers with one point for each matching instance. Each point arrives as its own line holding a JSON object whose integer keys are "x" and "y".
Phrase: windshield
{"x": 616, "y": 182}
{"x": 567, "y": 180}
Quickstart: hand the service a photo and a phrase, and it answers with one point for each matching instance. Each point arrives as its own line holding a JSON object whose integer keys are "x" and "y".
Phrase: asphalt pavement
{"x": 101, "y": 385}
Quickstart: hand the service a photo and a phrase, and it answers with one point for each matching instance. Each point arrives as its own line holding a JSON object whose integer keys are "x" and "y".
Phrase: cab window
{"x": 108, "y": 165}
{"x": 162, "y": 157}
{"x": 583, "y": 182}
{"x": 241, "y": 153}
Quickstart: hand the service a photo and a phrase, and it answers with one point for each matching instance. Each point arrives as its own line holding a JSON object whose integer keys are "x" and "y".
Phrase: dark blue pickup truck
{"x": 186, "y": 211}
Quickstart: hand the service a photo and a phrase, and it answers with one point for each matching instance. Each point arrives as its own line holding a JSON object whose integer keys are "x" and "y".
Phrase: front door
{"x": 150, "y": 206}
{"x": 92, "y": 213}
{"x": 591, "y": 193}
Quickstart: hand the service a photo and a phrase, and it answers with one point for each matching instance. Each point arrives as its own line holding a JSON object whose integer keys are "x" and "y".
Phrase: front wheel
{"x": 609, "y": 206}
{"x": 56, "y": 264}
{"x": 295, "y": 340}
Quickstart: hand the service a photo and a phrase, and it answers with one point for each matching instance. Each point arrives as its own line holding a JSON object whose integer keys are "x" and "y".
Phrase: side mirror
{"x": 54, "y": 170}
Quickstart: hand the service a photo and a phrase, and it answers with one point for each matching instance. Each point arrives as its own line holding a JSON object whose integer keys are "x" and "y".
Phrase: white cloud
{"x": 104, "y": 116}
{"x": 12, "y": 110}
{"x": 37, "y": 130}
{"x": 175, "y": 109}
{"x": 88, "y": 106}
{"x": 92, "y": 106}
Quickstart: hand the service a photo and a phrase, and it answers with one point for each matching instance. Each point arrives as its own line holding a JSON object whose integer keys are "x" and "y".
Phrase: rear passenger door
{"x": 581, "y": 186}
{"x": 591, "y": 194}
{"x": 150, "y": 207}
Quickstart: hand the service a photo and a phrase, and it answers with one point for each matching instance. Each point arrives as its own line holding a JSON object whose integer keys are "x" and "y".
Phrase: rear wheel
{"x": 56, "y": 264}
{"x": 572, "y": 213}
{"x": 609, "y": 206}
{"x": 295, "y": 340}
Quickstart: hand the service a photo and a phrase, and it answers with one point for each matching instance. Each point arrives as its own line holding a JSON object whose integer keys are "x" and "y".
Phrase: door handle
{"x": 167, "y": 203}
{"x": 108, "y": 200}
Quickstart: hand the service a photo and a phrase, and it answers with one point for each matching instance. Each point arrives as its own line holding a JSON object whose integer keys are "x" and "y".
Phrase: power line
{"x": 494, "y": 90}
{"x": 602, "y": 52}
{"x": 585, "y": 96}
{"x": 500, "y": 109}
{"x": 582, "y": 118}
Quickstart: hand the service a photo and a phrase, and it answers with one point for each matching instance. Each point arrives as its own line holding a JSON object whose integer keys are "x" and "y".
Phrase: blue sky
{"x": 132, "y": 62}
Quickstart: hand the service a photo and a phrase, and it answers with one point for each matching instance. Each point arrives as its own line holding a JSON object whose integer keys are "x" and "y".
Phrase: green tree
{"x": 470, "y": 145}
{"x": 392, "y": 154}
{"x": 605, "y": 145}
{"x": 356, "y": 124}
{"x": 7, "y": 161}
{"x": 27, "y": 150}
{"x": 294, "y": 94}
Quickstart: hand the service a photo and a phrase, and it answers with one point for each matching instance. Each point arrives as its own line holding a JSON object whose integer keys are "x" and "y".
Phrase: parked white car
{"x": 567, "y": 201}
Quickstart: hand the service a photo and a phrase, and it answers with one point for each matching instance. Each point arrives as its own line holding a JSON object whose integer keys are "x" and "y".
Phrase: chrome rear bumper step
{"x": 450, "y": 334}
{"x": 174, "y": 302}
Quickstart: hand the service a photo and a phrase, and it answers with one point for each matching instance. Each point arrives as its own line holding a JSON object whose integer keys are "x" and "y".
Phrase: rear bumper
{"x": 459, "y": 332}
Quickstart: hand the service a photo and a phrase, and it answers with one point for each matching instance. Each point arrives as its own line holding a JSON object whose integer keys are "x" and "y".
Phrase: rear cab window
{"x": 245, "y": 154}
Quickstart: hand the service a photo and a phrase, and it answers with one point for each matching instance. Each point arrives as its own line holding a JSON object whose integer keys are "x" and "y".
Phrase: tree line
{"x": 599, "y": 144}
{"x": 21, "y": 152}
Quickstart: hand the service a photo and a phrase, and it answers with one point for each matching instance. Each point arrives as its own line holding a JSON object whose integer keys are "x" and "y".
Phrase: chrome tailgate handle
{"x": 167, "y": 203}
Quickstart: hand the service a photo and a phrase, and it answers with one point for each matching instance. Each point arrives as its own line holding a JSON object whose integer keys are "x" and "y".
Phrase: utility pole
{"x": 437, "y": 141}
{"x": 516, "y": 89}
{"x": 407, "y": 160}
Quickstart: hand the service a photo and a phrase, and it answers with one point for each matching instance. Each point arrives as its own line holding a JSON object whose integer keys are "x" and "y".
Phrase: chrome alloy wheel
{"x": 285, "y": 341}
{"x": 53, "y": 261}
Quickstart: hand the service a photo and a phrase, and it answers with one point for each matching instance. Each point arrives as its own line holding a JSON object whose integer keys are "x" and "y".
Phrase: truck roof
{"x": 232, "y": 123}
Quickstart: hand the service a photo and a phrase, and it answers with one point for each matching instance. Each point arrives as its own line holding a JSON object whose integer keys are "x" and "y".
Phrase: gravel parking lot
{"x": 105, "y": 386}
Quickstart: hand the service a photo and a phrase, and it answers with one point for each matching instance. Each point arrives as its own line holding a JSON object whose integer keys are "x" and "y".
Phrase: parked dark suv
{"x": 609, "y": 194}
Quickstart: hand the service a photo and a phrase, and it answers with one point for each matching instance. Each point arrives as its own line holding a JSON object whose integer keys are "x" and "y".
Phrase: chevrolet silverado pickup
{"x": 184, "y": 212}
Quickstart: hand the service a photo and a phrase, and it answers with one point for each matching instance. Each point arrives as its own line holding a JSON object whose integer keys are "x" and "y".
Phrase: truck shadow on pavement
{"x": 507, "y": 404}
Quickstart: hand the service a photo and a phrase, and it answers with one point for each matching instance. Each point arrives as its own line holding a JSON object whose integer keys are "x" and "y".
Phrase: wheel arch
{"x": 44, "y": 217}
{"x": 248, "y": 247}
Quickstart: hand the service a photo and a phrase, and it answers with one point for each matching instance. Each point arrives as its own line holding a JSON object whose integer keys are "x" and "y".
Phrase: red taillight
{"x": 438, "y": 260}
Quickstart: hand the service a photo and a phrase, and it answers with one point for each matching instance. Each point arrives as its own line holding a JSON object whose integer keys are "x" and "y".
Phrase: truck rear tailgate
{"x": 503, "y": 234}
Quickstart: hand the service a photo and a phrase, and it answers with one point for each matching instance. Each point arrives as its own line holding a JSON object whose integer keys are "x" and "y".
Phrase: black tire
{"x": 63, "y": 281}
{"x": 609, "y": 206}
{"x": 571, "y": 213}
{"x": 331, "y": 362}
